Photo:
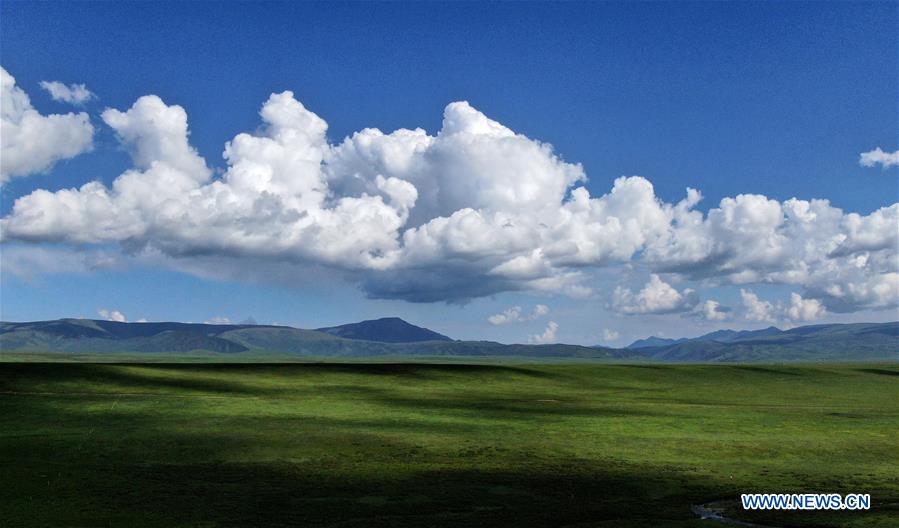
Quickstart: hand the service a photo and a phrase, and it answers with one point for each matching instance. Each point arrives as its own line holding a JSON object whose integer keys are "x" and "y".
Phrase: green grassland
{"x": 359, "y": 445}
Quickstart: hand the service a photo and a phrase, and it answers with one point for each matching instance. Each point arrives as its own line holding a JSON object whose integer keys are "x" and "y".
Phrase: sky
{"x": 520, "y": 172}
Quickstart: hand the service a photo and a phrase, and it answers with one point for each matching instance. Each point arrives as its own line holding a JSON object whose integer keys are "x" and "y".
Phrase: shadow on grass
{"x": 513, "y": 408}
{"x": 137, "y": 465}
{"x": 131, "y": 378}
{"x": 768, "y": 370}
{"x": 879, "y": 371}
{"x": 419, "y": 370}
{"x": 339, "y": 475}
{"x": 273, "y": 494}
{"x": 186, "y": 464}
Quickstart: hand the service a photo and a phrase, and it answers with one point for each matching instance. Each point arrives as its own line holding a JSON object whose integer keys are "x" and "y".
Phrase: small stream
{"x": 712, "y": 511}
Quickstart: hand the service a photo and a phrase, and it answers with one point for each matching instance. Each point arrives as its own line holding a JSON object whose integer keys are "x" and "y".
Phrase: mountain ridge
{"x": 373, "y": 338}
{"x": 823, "y": 342}
{"x": 97, "y": 336}
{"x": 384, "y": 330}
{"x": 722, "y": 336}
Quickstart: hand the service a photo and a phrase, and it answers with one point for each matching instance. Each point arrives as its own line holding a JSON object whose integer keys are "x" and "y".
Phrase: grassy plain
{"x": 359, "y": 445}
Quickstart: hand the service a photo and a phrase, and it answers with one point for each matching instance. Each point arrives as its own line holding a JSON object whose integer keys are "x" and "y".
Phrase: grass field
{"x": 439, "y": 445}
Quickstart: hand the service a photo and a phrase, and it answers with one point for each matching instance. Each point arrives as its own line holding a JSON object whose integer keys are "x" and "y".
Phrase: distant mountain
{"x": 99, "y": 337}
{"x": 726, "y": 336}
{"x": 831, "y": 342}
{"x": 653, "y": 341}
{"x": 385, "y": 330}
{"x": 112, "y": 336}
{"x": 721, "y": 336}
{"x": 396, "y": 338}
{"x": 717, "y": 335}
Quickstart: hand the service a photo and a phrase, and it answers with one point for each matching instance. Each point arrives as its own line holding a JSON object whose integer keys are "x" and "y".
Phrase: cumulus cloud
{"x": 547, "y": 337}
{"x": 539, "y": 311}
{"x": 112, "y": 315}
{"x": 713, "y": 311}
{"x": 752, "y": 239}
{"x": 31, "y": 142}
{"x": 757, "y": 309}
{"x": 29, "y": 262}
{"x": 514, "y": 315}
{"x": 507, "y": 316}
{"x": 804, "y": 309}
{"x": 76, "y": 94}
{"x": 473, "y": 210}
{"x": 609, "y": 335}
{"x": 879, "y": 157}
{"x": 218, "y": 320}
{"x": 656, "y": 297}
{"x": 799, "y": 309}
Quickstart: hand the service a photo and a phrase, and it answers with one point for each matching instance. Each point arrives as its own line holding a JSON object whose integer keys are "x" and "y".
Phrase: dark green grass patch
{"x": 439, "y": 444}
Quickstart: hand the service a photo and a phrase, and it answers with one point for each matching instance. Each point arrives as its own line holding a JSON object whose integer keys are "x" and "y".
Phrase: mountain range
{"x": 827, "y": 342}
{"x": 394, "y": 337}
{"x": 381, "y": 337}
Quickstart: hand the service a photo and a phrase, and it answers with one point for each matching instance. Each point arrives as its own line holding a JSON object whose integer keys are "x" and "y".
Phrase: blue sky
{"x": 773, "y": 99}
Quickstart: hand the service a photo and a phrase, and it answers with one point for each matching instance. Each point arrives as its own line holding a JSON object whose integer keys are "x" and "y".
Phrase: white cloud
{"x": 874, "y": 232}
{"x": 509, "y": 315}
{"x": 112, "y": 315}
{"x": 29, "y": 262}
{"x": 156, "y": 134}
{"x": 878, "y": 157}
{"x": 548, "y": 336}
{"x": 30, "y": 142}
{"x": 804, "y": 309}
{"x": 514, "y": 315}
{"x": 657, "y": 296}
{"x": 882, "y": 291}
{"x": 474, "y": 210}
{"x": 76, "y": 94}
{"x": 757, "y": 309}
{"x": 218, "y": 321}
{"x": 576, "y": 291}
{"x": 799, "y": 309}
{"x": 752, "y": 239}
{"x": 609, "y": 335}
{"x": 713, "y": 311}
